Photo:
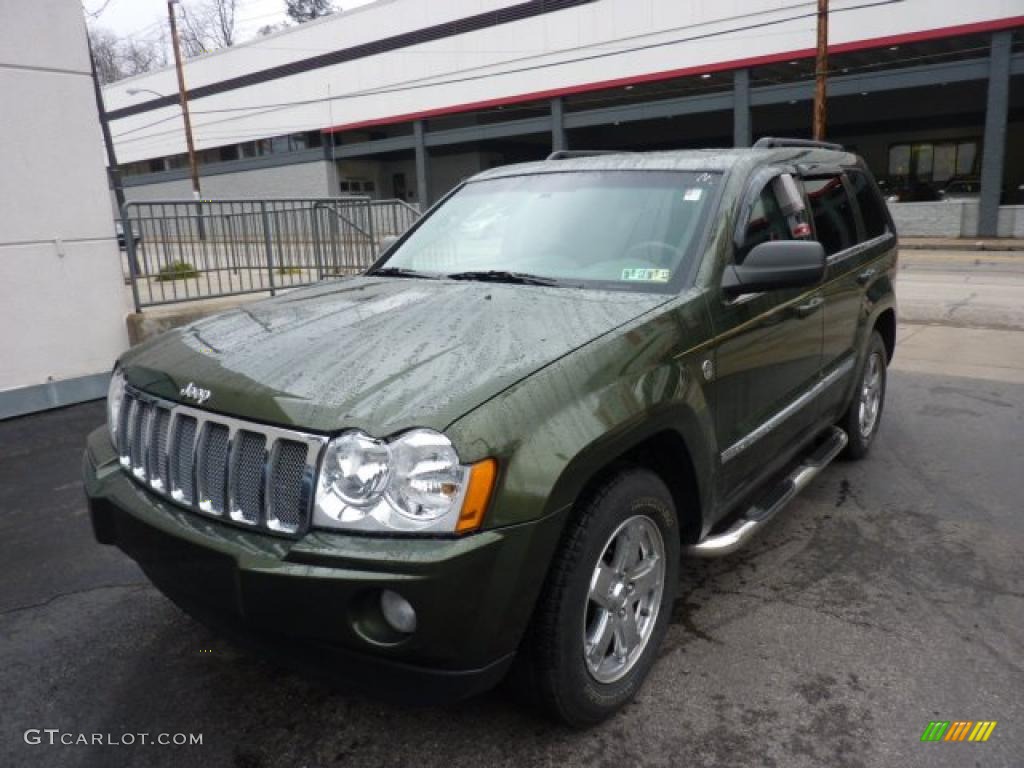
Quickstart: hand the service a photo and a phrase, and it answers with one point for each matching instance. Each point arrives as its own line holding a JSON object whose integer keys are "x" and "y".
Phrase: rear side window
{"x": 870, "y": 204}
{"x": 834, "y": 222}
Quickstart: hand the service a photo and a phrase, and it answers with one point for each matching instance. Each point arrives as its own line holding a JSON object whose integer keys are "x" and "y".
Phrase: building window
{"x": 360, "y": 187}
{"x": 966, "y": 158}
{"x": 139, "y": 168}
{"x": 256, "y": 148}
{"x": 305, "y": 140}
{"x": 899, "y": 160}
{"x": 933, "y": 161}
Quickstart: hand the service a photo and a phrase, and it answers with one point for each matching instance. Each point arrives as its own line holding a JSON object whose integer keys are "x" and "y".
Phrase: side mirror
{"x": 776, "y": 265}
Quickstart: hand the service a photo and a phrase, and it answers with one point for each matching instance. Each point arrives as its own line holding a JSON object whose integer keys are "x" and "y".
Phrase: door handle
{"x": 865, "y": 277}
{"x": 805, "y": 310}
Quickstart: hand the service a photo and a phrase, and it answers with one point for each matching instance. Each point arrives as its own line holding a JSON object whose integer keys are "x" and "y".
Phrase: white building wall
{"x": 601, "y": 42}
{"x": 62, "y": 303}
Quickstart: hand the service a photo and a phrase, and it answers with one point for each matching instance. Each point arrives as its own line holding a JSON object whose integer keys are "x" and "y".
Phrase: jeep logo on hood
{"x": 193, "y": 392}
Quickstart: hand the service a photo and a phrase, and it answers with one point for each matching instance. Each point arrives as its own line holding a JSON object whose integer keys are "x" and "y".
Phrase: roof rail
{"x": 770, "y": 142}
{"x": 568, "y": 154}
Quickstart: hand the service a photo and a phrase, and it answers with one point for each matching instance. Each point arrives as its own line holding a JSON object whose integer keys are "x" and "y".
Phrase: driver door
{"x": 769, "y": 350}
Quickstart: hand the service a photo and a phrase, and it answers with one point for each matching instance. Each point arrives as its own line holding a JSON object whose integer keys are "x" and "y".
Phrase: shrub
{"x": 178, "y": 270}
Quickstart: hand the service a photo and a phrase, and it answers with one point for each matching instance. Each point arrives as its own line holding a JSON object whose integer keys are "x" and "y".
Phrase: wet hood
{"x": 378, "y": 354}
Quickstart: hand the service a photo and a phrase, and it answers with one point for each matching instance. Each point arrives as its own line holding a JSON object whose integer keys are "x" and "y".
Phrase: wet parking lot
{"x": 890, "y": 594}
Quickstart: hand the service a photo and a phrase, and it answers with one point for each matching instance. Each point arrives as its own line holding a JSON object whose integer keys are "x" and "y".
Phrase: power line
{"x": 210, "y": 130}
{"x": 433, "y": 82}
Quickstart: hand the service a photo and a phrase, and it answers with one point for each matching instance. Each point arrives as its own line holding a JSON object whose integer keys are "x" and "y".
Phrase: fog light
{"x": 398, "y": 612}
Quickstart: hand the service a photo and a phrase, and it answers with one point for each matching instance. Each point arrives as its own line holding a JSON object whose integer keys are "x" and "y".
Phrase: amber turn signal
{"x": 478, "y": 495}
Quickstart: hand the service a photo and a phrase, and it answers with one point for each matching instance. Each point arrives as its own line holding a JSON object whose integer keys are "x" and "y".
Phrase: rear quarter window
{"x": 876, "y": 223}
{"x": 834, "y": 221}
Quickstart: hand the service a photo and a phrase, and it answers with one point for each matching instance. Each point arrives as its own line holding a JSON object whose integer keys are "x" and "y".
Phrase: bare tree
{"x": 208, "y": 25}
{"x": 226, "y": 20}
{"x": 140, "y": 55}
{"x": 117, "y": 58}
{"x": 106, "y": 53}
{"x": 301, "y": 11}
{"x": 269, "y": 29}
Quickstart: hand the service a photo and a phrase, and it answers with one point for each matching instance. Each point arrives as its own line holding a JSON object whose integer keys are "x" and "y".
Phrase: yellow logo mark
{"x": 982, "y": 730}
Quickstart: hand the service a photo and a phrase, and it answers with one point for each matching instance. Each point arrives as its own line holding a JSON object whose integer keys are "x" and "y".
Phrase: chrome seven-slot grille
{"x": 249, "y": 474}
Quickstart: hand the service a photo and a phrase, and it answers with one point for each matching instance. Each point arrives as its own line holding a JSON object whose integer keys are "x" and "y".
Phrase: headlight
{"x": 115, "y": 396}
{"x": 413, "y": 483}
{"x": 356, "y": 470}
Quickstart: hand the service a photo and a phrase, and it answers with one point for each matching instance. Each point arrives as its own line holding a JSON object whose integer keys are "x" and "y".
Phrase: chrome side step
{"x": 753, "y": 519}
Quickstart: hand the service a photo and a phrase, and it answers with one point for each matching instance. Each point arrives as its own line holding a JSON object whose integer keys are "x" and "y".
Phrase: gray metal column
{"x": 558, "y": 138}
{"x": 994, "y": 149}
{"x": 332, "y": 167}
{"x": 741, "y": 132}
{"x": 422, "y": 169}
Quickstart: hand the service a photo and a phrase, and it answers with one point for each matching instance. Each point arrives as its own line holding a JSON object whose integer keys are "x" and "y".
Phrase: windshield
{"x": 611, "y": 229}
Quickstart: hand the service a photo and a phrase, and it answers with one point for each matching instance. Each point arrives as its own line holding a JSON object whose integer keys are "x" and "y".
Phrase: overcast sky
{"x": 145, "y": 17}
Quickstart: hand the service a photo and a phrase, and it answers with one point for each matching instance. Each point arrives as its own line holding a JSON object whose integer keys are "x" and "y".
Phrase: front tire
{"x": 607, "y": 601}
{"x": 864, "y": 415}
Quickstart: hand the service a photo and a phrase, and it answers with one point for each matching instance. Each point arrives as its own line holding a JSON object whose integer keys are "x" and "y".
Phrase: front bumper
{"x": 314, "y": 603}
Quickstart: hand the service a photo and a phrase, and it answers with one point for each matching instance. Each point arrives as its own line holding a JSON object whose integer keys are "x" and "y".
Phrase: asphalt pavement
{"x": 888, "y": 595}
{"x": 963, "y": 288}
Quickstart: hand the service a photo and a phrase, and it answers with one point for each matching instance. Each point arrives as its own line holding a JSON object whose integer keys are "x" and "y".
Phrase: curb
{"x": 962, "y": 246}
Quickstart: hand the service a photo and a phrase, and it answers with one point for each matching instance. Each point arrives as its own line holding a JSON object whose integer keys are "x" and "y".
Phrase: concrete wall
{"x": 952, "y": 218}
{"x": 313, "y": 179}
{"x": 309, "y": 179}
{"x": 62, "y": 303}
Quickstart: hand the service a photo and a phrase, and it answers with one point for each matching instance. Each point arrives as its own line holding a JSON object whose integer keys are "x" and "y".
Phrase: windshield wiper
{"x": 400, "y": 272}
{"x": 501, "y": 276}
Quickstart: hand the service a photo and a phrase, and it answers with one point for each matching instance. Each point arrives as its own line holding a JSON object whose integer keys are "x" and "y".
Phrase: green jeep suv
{"x": 485, "y": 456}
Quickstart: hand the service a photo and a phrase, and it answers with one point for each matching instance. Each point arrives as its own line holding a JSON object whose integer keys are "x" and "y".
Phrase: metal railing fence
{"x": 184, "y": 250}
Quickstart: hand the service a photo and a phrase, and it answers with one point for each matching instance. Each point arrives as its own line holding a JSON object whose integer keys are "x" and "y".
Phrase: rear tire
{"x": 864, "y": 415}
{"x": 606, "y": 603}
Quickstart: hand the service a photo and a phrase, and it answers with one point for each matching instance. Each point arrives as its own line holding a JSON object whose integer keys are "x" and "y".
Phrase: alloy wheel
{"x": 624, "y": 599}
{"x": 870, "y": 395}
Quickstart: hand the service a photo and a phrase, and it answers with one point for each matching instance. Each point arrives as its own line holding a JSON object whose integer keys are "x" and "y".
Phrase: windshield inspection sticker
{"x": 693, "y": 195}
{"x": 647, "y": 275}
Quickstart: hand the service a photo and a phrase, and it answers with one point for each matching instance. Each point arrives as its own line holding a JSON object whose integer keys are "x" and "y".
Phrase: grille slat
{"x": 245, "y": 484}
{"x": 212, "y": 468}
{"x": 137, "y": 439}
{"x": 183, "y": 482}
{"x": 287, "y": 470}
{"x": 157, "y": 459}
{"x": 248, "y": 474}
{"x": 125, "y": 420}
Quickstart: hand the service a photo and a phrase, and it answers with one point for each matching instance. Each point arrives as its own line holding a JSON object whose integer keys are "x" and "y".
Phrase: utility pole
{"x": 183, "y": 94}
{"x": 113, "y": 170}
{"x": 821, "y": 73}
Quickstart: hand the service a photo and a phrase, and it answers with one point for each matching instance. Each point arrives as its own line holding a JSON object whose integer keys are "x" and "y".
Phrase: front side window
{"x": 778, "y": 213}
{"x": 612, "y": 229}
{"x": 834, "y": 221}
